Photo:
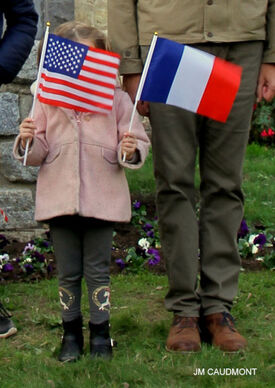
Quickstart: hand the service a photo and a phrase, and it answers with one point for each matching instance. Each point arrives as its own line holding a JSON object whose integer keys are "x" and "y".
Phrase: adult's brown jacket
{"x": 131, "y": 24}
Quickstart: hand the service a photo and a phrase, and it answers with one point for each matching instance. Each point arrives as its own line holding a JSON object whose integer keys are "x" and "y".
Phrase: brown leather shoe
{"x": 184, "y": 335}
{"x": 221, "y": 332}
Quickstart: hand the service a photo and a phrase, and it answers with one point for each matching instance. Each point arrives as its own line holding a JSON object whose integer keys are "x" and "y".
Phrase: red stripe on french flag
{"x": 221, "y": 90}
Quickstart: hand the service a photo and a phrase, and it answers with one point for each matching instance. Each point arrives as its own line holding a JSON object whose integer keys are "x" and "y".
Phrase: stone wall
{"x": 17, "y": 183}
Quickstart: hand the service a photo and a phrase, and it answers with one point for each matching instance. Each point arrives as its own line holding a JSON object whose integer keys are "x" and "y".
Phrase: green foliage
{"x": 263, "y": 123}
{"x": 258, "y": 186}
{"x": 269, "y": 260}
{"x": 142, "y": 181}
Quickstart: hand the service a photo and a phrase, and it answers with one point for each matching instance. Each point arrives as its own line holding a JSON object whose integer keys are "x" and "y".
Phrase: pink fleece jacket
{"x": 82, "y": 171}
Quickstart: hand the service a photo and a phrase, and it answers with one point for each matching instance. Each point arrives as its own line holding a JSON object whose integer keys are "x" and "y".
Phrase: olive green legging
{"x": 82, "y": 248}
{"x": 204, "y": 239}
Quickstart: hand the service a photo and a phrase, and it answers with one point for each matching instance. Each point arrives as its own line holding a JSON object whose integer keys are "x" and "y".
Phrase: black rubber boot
{"x": 72, "y": 342}
{"x": 100, "y": 341}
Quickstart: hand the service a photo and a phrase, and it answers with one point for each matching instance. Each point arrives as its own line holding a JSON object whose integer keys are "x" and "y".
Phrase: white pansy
{"x": 27, "y": 260}
{"x": 4, "y": 257}
{"x": 28, "y": 247}
{"x": 144, "y": 243}
{"x": 252, "y": 238}
{"x": 261, "y": 259}
{"x": 254, "y": 249}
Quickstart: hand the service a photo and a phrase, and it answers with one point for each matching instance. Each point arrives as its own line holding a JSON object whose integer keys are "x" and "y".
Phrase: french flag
{"x": 192, "y": 79}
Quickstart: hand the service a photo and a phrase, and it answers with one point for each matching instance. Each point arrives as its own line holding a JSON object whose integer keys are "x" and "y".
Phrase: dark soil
{"x": 126, "y": 236}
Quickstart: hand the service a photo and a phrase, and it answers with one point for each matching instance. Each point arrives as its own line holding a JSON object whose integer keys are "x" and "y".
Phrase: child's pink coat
{"x": 81, "y": 166}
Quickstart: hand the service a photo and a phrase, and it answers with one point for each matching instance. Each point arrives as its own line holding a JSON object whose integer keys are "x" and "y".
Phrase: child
{"x": 81, "y": 191}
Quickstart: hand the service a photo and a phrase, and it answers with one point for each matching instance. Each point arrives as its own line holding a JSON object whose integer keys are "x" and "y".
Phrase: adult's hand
{"x": 130, "y": 85}
{"x": 266, "y": 82}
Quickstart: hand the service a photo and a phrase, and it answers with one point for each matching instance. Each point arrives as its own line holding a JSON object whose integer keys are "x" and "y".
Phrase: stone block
{"x": 9, "y": 113}
{"x": 28, "y": 72}
{"x": 25, "y": 105}
{"x": 18, "y": 204}
{"x": 12, "y": 169}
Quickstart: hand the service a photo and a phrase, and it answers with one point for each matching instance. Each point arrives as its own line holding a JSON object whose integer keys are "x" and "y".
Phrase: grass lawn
{"x": 139, "y": 325}
{"x": 140, "y": 322}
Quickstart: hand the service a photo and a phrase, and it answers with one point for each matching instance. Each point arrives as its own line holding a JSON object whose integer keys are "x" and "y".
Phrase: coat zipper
{"x": 78, "y": 122}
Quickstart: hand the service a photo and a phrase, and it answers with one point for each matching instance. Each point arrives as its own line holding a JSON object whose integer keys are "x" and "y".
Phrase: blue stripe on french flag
{"x": 162, "y": 70}
{"x": 192, "y": 79}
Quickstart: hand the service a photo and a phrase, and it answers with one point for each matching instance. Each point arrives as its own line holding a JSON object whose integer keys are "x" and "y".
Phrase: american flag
{"x": 78, "y": 77}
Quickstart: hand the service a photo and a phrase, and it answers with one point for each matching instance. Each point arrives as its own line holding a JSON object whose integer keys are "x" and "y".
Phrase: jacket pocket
{"x": 110, "y": 155}
{"x": 53, "y": 154}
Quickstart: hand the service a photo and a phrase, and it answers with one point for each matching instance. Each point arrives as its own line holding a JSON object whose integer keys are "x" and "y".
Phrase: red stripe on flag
{"x": 100, "y": 72}
{"x": 105, "y": 52}
{"x": 75, "y": 86}
{"x": 96, "y": 82}
{"x": 67, "y": 105}
{"x": 74, "y": 97}
{"x": 81, "y": 78}
{"x": 102, "y": 62}
{"x": 221, "y": 90}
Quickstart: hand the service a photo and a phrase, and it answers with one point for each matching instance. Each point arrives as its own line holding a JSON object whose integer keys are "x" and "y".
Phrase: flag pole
{"x": 37, "y": 83}
{"x": 142, "y": 81}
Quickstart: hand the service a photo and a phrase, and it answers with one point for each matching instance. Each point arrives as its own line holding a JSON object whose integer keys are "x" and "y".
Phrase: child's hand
{"x": 26, "y": 129}
{"x": 129, "y": 145}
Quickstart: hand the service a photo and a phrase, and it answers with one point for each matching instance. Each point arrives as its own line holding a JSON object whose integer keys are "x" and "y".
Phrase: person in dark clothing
{"x": 18, "y": 26}
{"x": 17, "y": 41}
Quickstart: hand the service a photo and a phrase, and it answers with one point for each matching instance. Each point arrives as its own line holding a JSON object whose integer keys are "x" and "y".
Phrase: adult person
{"x": 15, "y": 45}
{"x": 240, "y": 32}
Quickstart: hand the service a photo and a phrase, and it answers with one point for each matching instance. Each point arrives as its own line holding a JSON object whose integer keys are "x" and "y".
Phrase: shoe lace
{"x": 3, "y": 312}
{"x": 228, "y": 320}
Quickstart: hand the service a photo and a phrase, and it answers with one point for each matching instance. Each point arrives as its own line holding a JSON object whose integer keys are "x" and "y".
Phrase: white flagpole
{"x": 37, "y": 83}
{"x": 142, "y": 80}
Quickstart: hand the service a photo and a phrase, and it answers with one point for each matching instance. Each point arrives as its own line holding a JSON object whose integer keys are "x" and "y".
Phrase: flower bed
{"x": 136, "y": 247}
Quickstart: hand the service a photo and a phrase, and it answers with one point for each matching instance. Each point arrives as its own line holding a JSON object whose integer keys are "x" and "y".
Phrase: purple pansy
{"x": 147, "y": 227}
{"x": 260, "y": 239}
{"x": 155, "y": 260}
{"x": 156, "y": 257}
{"x": 243, "y": 231}
{"x": 137, "y": 205}
{"x": 120, "y": 263}
{"x": 7, "y": 267}
{"x": 28, "y": 268}
{"x": 150, "y": 233}
{"x": 39, "y": 257}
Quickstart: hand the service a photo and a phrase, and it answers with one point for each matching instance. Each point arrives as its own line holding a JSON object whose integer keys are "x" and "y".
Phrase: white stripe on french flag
{"x": 192, "y": 79}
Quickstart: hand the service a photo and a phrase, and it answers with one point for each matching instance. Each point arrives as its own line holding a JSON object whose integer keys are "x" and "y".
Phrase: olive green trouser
{"x": 203, "y": 243}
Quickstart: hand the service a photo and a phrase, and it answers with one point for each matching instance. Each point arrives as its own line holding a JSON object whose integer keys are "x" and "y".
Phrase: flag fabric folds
{"x": 78, "y": 77}
{"x": 191, "y": 79}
